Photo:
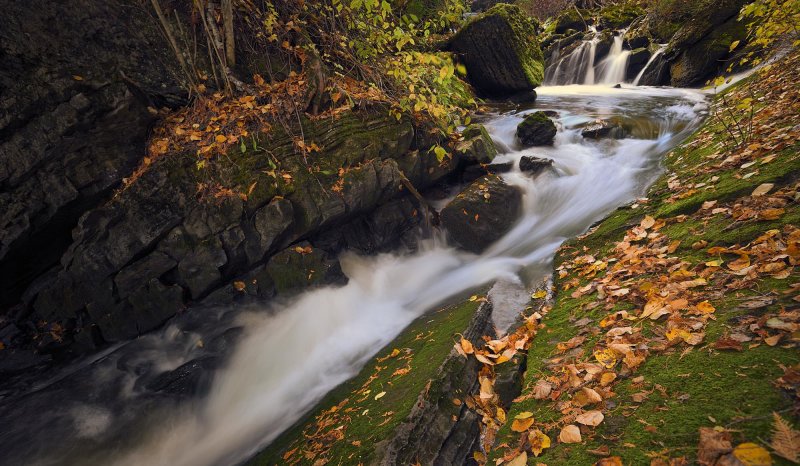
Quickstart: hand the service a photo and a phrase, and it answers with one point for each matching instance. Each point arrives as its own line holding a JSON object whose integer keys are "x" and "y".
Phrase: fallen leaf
{"x": 610, "y": 461}
{"x": 570, "y": 434}
{"x": 752, "y": 455}
{"x": 520, "y": 460}
{"x": 539, "y": 441}
{"x": 590, "y": 418}
{"x": 239, "y": 285}
{"x": 785, "y": 440}
{"x": 521, "y": 425}
{"x": 379, "y": 395}
{"x": 762, "y": 189}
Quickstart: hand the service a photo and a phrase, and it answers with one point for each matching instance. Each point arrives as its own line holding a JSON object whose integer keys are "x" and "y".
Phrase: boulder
{"x": 636, "y": 62}
{"x": 482, "y": 213}
{"x": 536, "y": 130}
{"x": 603, "y": 129}
{"x": 618, "y": 16}
{"x": 657, "y": 74}
{"x": 501, "y": 51}
{"x": 534, "y": 165}
{"x": 571, "y": 19}
{"x": 477, "y": 146}
{"x": 695, "y": 63}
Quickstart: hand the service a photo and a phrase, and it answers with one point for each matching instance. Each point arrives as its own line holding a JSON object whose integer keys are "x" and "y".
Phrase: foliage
{"x": 770, "y": 21}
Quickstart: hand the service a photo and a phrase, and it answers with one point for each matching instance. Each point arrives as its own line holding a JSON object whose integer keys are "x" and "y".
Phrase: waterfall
{"x": 653, "y": 57}
{"x": 612, "y": 69}
{"x": 580, "y": 67}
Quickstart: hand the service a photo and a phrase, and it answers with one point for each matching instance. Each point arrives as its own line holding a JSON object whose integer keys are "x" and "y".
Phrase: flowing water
{"x": 281, "y": 360}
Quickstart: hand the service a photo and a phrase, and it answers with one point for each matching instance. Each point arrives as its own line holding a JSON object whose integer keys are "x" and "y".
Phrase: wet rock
{"x": 477, "y": 146}
{"x": 603, "y": 129}
{"x": 571, "y": 19}
{"x": 501, "y": 51}
{"x": 151, "y": 266}
{"x": 657, "y": 74}
{"x": 636, "y": 62}
{"x": 534, "y": 165}
{"x": 536, "y": 130}
{"x": 700, "y": 60}
{"x": 618, "y": 16}
{"x": 191, "y": 379}
{"x": 302, "y": 266}
{"x": 482, "y": 213}
{"x": 637, "y": 42}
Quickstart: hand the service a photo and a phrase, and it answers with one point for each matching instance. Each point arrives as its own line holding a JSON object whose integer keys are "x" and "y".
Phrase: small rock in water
{"x": 603, "y": 129}
{"x": 536, "y": 130}
{"x": 617, "y": 86}
{"x": 534, "y": 165}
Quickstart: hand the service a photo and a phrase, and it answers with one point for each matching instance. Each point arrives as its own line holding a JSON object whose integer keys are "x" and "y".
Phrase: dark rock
{"x": 534, "y": 165}
{"x": 603, "y": 129}
{"x": 657, "y": 74}
{"x": 617, "y": 86}
{"x": 571, "y": 19}
{"x": 501, "y": 51}
{"x": 68, "y": 141}
{"x": 477, "y": 146}
{"x": 500, "y": 167}
{"x": 618, "y": 16}
{"x": 191, "y": 379}
{"x": 701, "y": 60}
{"x": 151, "y": 266}
{"x": 636, "y": 63}
{"x": 482, "y": 213}
{"x": 199, "y": 270}
{"x": 302, "y": 266}
{"x": 483, "y": 5}
{"x": 524, "y": 97}
{"x": 637, "y": 42}
{"x": 536, "y": 130}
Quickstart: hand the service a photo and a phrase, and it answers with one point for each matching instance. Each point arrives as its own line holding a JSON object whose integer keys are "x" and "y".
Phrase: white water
{"x": 289, "y": 361}
{"x": 658, "y": 52}
{"x": 580, "y": 67}
{"x": 291, "y": 357}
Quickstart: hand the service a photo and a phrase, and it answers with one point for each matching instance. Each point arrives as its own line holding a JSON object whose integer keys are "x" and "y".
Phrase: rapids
{"x": 283, "y": 359}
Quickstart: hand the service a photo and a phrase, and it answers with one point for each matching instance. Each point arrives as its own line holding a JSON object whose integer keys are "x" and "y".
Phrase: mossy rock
{"x": 536, "y": 130}
{"x": 704, "y": 58}
{"x": 619, "y": 16}
{"x": 501, "y": 51}
{"x": 571, "y": 19}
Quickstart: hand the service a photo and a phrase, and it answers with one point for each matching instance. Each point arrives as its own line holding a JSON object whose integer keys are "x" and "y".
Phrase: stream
{"x": 263, "y": 368}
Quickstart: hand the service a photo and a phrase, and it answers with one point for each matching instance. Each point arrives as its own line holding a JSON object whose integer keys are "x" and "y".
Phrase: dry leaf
{"x": 521, "y": 425}
{"x": 590, "y": 418}
{"x": 762, "y": 189}
{"x": 520, "y": 460}
{"x": 785, "y": 440}
{"x": 570, "y": 434}
{"x": 539, "y": 441}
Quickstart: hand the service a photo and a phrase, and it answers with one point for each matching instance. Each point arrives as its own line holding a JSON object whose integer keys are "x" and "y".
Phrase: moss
{"x": 619, "y": 15}
{"x": 423, "y": 346}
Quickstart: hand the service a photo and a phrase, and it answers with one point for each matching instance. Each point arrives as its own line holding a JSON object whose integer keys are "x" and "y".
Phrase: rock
{"x": 534, "y": 165}
{"x": 637, "y": 42}
{"x": 618, "y": 16}
{"x": 603, "y": 129}
{"x": 501, "y": 51}
{"x": 657, "y": 74}
{"x": 68, "y": 141}
{"x": 191, "y": 379}
{"x": 636, "y": 62}
{"x": 482, "y": 213}
{"x": 302, "y": 266}
{"x": 697, "y": 62}
{"x": 477, "y": 146}
{"x": 536, "y": 130}
{"x": 483, "y": 5}
{"x": 571, "y": 19}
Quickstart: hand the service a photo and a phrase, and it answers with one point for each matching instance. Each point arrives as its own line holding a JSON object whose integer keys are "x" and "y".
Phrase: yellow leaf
{"x": 606, "y": 357}
{"x": 539, "y": 441}
{"x": 239, "y": 285}
{"x": 220, "y": 138}
{"x": 705, "y": 308}
{"x": 539, "y": 294}
{"x": 466, "y": 345}
{"x": 524, "y": 415}
{"x": 379, "y": 396}
{"x": 752, "y": 455}
{"x": 521, "y": 425}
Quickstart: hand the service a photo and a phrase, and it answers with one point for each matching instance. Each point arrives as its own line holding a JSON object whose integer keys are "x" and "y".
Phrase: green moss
{"x": 619, "y": 15}
{"x": 423, "y": 346}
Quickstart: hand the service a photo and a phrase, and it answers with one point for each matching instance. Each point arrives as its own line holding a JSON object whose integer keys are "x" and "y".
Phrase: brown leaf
{"x": 785, "y": 440}
{"x": 521, "y": 425}
{"x": 713, "y": 444}
{"x": 610, "y": 461}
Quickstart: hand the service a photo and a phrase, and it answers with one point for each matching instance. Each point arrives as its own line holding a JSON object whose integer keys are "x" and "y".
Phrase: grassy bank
{"x": 680, "y": 312}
